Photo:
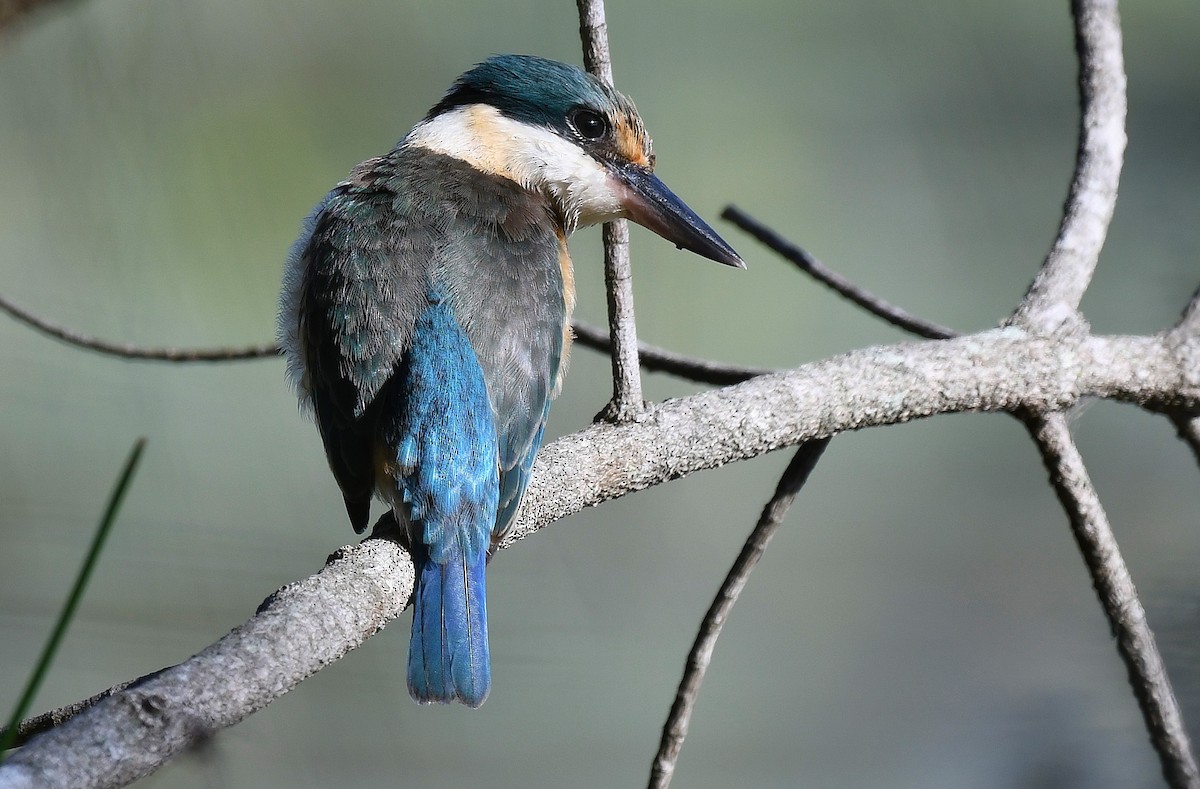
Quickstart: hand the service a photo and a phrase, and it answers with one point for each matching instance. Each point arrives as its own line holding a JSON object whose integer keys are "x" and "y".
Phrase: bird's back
{"x": 400, "y": 227}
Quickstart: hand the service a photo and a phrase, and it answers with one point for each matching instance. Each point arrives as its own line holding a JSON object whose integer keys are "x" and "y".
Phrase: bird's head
{"x": 551, "y": 127}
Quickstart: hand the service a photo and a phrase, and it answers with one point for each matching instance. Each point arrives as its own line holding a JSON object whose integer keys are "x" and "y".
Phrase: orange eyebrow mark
{"x": 630, "y": 141}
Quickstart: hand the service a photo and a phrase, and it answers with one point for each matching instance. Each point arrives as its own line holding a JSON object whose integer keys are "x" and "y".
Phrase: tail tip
{"x": 426, "y": 695}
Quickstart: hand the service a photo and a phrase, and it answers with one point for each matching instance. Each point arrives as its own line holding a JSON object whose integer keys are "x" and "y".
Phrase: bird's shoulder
{"x": 412, "y": 187}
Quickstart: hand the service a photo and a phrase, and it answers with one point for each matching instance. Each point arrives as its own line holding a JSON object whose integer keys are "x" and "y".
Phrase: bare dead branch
{"x": 1118, "y": 597}
{"x": 1052, "y": 305}
{"x": 835, "y": 281}
{"x": 241, "y": 673}
{"x": 56, "y": 717}
{"x": 309, "y": 624}
{"x": 1053, "y": 299}
{"x": 627, "y": 403}
{"x": 125, "y": 351}
{"x": 676, "y": 727}
{"x": 998, "y": 370}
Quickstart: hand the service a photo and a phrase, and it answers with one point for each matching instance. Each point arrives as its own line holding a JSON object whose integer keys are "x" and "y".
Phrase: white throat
{"x": 534, "y": 157}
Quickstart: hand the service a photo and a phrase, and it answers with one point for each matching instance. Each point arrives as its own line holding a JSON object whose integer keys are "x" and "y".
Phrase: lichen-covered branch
{"x": 309, "y": 624}
{"x": 1052, "y": 301}
{"x": 1052, "y": 305}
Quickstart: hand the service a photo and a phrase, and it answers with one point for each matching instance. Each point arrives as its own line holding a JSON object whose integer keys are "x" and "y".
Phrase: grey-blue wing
{"x": 510, "y": 287}
{"x": 399, "y": 225}
{"x": 359, "y": 292}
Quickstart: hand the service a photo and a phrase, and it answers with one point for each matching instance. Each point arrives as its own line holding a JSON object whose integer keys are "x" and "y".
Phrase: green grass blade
{"x": 9, "y": 734}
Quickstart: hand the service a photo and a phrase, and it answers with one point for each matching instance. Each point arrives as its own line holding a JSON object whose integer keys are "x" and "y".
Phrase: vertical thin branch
{"x": 1053, "y": 298}
{"x": 1119, "y": 598}
{"x": 627, "y": 403}
{"x": 676, "y": 727}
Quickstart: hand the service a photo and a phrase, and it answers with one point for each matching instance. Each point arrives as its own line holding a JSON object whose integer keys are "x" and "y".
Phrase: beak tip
{"x": 726, "y": 256}
{"x": 649, "y": 202}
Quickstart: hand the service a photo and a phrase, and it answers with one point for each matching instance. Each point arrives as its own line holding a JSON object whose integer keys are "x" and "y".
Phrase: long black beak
{"x": 649, "y": 202}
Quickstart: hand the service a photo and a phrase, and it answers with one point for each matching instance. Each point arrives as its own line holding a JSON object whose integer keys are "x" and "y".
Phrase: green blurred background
{"x": 923, "y": 619}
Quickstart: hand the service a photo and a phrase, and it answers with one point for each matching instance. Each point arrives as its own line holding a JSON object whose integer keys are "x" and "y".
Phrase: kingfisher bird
{"x": 425, "y": 317}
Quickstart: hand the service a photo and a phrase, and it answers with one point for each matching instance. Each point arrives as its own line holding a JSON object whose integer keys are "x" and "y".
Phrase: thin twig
{"x": 627, "y": 403}
{"x": 835, "y": 281}
{"x": 662, "y": 360}
{"x": 652, "y": 357}
{"x": 1053, "y": 297}
{"x": 1118, "y": 597}
{"x": 676, "y": 727}
{"x": 126, "y": 351}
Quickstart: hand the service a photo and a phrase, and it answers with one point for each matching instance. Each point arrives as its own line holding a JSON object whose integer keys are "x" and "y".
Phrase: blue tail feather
{"x": 442, "y": 429}
{"x": 448, "y": 652}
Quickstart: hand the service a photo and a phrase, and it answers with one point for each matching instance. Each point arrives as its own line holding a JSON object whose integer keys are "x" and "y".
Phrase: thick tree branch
{"x": 676, "y": 727}
{"x": 627, "y": 403}
{"x": 309, "y": 624}
{"x": 297, "y": 631}
{"x": 48, "y": 720}
{"x": 1118, "y": 597}
{"x": 1053, "y": 299}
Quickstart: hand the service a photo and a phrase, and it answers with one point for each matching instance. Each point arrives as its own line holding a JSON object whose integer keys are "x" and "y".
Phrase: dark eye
{"x": 590, "y": 124}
